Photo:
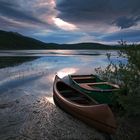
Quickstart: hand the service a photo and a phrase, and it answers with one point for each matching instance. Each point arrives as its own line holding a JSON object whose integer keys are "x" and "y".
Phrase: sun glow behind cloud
{"x": 64, "y": 25}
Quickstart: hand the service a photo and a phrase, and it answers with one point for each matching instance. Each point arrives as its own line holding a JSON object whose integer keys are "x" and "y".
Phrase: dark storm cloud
{"x": 66, "y": 21}
{"x": 12, "y": 9}
{"x": 122, "y": 13}
{"x": 125, "y": 22}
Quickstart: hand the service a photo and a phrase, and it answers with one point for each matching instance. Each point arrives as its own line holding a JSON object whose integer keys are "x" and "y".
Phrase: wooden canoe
{"x": 86, "y": 78}
{"x": 101, "y": 91}
{"x": 83, "y": 107}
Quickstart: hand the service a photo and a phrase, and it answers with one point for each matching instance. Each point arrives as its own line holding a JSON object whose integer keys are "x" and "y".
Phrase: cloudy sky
{"x": 73, "y": 21}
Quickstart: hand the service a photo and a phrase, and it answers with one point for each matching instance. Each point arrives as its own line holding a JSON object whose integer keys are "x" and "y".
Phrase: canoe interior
{"x": 73, "y": 95}
{"x": 85, "y": 79}
{"x": 103, "y": 86}
{"x": 96, "y": 88}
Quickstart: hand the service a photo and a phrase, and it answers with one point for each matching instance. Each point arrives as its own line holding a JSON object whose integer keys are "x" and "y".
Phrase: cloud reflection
{"x": 66, "y": 71}
{"x": 50, "y": 99}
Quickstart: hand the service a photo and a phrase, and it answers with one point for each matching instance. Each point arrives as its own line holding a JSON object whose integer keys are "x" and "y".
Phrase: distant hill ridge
{"x": 16, "y": 41}
{"x": 13, "y": 40}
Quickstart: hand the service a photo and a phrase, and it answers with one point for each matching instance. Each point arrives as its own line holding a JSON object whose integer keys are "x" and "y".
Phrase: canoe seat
{"x": 88, "y": 80}
{"x": 86, "y": 86}
{"x": 88, "y": 77}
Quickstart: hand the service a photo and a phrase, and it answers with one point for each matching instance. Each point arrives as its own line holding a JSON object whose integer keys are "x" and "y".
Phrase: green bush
{"x": 128, "y": 77}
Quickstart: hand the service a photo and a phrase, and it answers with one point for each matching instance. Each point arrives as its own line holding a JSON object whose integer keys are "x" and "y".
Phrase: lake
{"x": 26, "y": 92}
{"x": 51, "y": 62}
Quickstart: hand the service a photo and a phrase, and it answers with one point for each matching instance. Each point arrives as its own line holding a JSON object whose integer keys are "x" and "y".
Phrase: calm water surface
{"x": 36, "y": 77}
{"x": 53, "y": 52}
{"x": 23, "y": 87}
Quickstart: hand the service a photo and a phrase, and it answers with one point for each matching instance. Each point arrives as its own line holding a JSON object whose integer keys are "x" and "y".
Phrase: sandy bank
{"x": 31, "y": 118}
{"x": 38, "y": 119}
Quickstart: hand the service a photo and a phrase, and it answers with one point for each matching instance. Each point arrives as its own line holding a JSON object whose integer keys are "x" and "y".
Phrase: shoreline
{"x": 39, "y": 119}
{"x": 30, "y": 118}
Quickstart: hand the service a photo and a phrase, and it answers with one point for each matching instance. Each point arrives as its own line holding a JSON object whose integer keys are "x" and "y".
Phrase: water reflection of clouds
{"x": 93, "y": 61}
{"x": 50, "y": 99}
{"x": 53, "y": 52}
{"x": 66, "y": 71}
{"x": 117, "y": 60}
{"x": 41, "y": 71}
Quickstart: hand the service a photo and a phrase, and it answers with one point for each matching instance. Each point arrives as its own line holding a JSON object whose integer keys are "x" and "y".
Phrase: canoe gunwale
{"x": 91, "y": 119}
{"x": 82, "y": 108}
{"x": 72, "y": 102}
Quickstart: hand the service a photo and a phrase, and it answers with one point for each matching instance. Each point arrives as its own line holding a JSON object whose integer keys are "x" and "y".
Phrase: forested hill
{"x": 13, "y": 40}
{"x": 16, "y": 41}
